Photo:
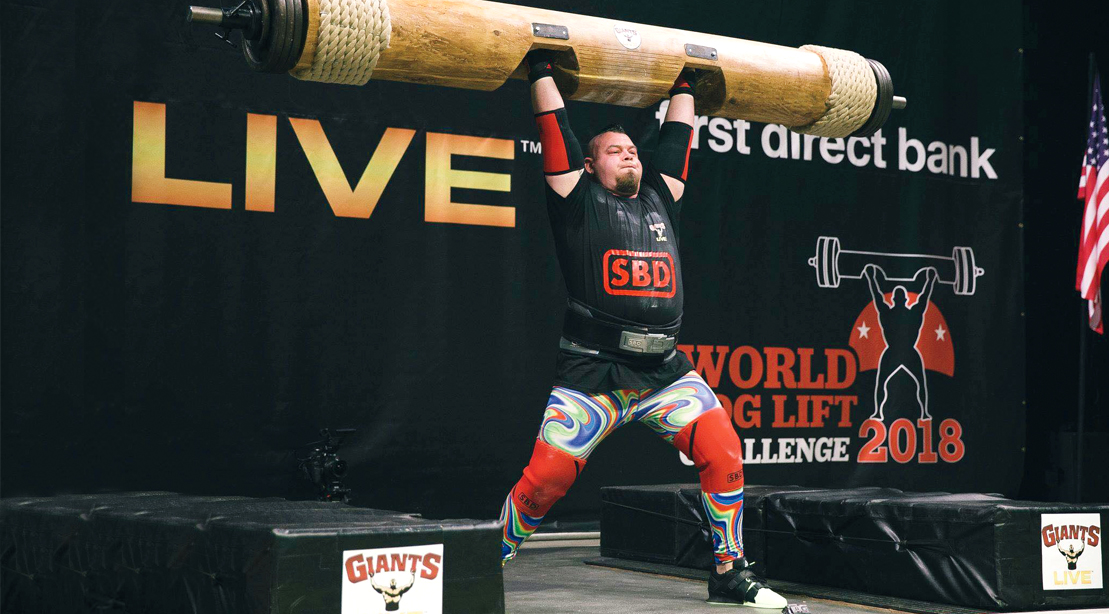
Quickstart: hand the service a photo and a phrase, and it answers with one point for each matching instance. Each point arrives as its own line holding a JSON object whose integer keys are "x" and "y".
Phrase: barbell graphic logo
{"x": 900, "y": 329}
{"x": 834, "y": 264}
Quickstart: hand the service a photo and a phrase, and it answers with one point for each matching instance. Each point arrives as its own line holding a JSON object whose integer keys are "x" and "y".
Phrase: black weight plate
{"x": 301, "y": 35}
{"x": 274, "y": 51}
{"x": 287, "y": 25}
{"x": 293, "y": 43}
{"x": 254, "y": 51}
{"x": 883, "y": 103}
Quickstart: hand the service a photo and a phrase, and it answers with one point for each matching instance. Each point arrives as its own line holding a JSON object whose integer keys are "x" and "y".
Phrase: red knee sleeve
{"x": 714, "y": 447}
{"x": 546, "y": 479}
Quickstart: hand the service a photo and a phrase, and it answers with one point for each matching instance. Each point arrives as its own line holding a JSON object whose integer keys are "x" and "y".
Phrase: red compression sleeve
{"x": 561, "y": 150}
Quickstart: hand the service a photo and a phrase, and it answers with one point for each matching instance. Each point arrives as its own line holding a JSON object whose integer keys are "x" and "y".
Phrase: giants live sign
{"x": 1070, "y": 551}
{"x": 149, "y": 183}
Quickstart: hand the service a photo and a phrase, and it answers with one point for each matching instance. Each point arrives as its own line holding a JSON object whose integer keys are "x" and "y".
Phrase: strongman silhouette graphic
{"x": 1071, "y": 555}
{"x": 900, "y": 324}
{"x": 392, "y": 593}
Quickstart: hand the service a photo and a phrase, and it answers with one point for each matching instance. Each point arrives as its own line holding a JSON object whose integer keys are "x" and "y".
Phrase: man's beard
{"x": 627, "y": 184}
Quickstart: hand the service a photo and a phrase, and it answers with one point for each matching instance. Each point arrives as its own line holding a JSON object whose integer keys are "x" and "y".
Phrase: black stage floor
{"x": 556, "y": 580}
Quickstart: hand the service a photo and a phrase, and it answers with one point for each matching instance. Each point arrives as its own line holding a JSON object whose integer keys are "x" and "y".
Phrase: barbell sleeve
{"x": 205, "y": 15}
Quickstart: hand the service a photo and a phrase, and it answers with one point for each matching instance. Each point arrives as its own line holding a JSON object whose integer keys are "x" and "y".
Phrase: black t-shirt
{"x": 620, "y": 256}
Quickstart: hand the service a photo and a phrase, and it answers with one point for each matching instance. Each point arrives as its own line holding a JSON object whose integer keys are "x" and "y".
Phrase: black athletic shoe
{"x": 740, "y": 586}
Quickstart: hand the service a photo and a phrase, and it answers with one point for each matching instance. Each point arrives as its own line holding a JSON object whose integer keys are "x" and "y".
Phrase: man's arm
{"x": 871, "y": 272}
{"x": 563, "y": 162}
{"x": 675, "y": 137}
{"x": 929, "y": 286}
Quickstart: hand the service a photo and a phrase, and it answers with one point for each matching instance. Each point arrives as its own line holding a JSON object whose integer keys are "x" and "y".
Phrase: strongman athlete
{"x": 900, "y": 324}
{"x": 1072, "y": 555}
{"x": 616, "y": 236}
{"x": 392, "y": 593}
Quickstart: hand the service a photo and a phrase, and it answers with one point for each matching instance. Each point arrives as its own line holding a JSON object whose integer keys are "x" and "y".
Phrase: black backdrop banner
{"x": 203, "y": 266}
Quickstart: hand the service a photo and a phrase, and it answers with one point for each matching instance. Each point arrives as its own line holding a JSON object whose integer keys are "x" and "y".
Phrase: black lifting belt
{"x": 583, "y": 325}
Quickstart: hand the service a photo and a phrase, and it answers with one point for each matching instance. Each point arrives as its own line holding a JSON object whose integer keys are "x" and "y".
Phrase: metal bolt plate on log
{"x": 700, "y": 51}
{"x": 546, "y": 30}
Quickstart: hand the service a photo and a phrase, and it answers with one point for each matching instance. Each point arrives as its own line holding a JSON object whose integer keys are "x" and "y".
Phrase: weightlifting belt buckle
{"x": 646, "y": 343}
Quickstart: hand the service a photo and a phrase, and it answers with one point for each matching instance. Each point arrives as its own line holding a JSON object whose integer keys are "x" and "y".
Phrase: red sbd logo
{"x": 639, "y": 273}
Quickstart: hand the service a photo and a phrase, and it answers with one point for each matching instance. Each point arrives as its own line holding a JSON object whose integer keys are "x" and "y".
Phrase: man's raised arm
{"x": 563, "y": 162}
{"x": 412, "y": 580}
{"x": 675, "y": 137}
{"x": 930, "y": 284}
{"x": 871, "y": 273}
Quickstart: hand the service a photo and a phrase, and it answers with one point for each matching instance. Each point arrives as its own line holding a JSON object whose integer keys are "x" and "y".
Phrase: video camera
{"x": 324, "y": 468}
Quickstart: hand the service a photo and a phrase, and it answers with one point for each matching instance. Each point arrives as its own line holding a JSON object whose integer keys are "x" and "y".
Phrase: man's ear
{"x": 589, "y": 165}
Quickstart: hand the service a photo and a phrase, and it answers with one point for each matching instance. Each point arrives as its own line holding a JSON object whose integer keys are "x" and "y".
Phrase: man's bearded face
{"x": 614, "y": 163}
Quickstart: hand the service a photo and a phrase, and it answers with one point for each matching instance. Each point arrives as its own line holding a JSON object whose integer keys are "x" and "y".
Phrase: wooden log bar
{"x": 474, "y": 44}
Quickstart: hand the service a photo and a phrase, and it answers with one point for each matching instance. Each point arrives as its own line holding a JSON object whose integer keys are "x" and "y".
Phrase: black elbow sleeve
{"x": 672, "y": 156}
{"x": 561, "y": 150}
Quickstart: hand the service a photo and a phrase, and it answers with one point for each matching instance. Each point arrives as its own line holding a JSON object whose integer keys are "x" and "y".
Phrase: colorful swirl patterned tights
{"x": 575, "y": 424}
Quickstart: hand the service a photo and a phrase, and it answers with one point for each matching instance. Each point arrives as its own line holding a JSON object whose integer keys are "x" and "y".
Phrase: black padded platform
{"x": 671, "y": 514}
{"x": 971, "y": 550}
{"x": 164, "y": 552}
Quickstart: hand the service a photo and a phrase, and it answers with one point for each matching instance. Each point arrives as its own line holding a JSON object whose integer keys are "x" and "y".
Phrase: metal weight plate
{"x": 282, "y": 39}
{"x": 302, "y": 37}
{"x": 883, "y": 102}
{"x": 284, "y": 62}
{"x": 885, "y": 95}
{"x": 296, "y": 42}
{"x": 255, "y": 50}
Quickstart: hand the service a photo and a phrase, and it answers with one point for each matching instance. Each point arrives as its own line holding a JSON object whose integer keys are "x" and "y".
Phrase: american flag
{"x": 1093, "y": 188}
